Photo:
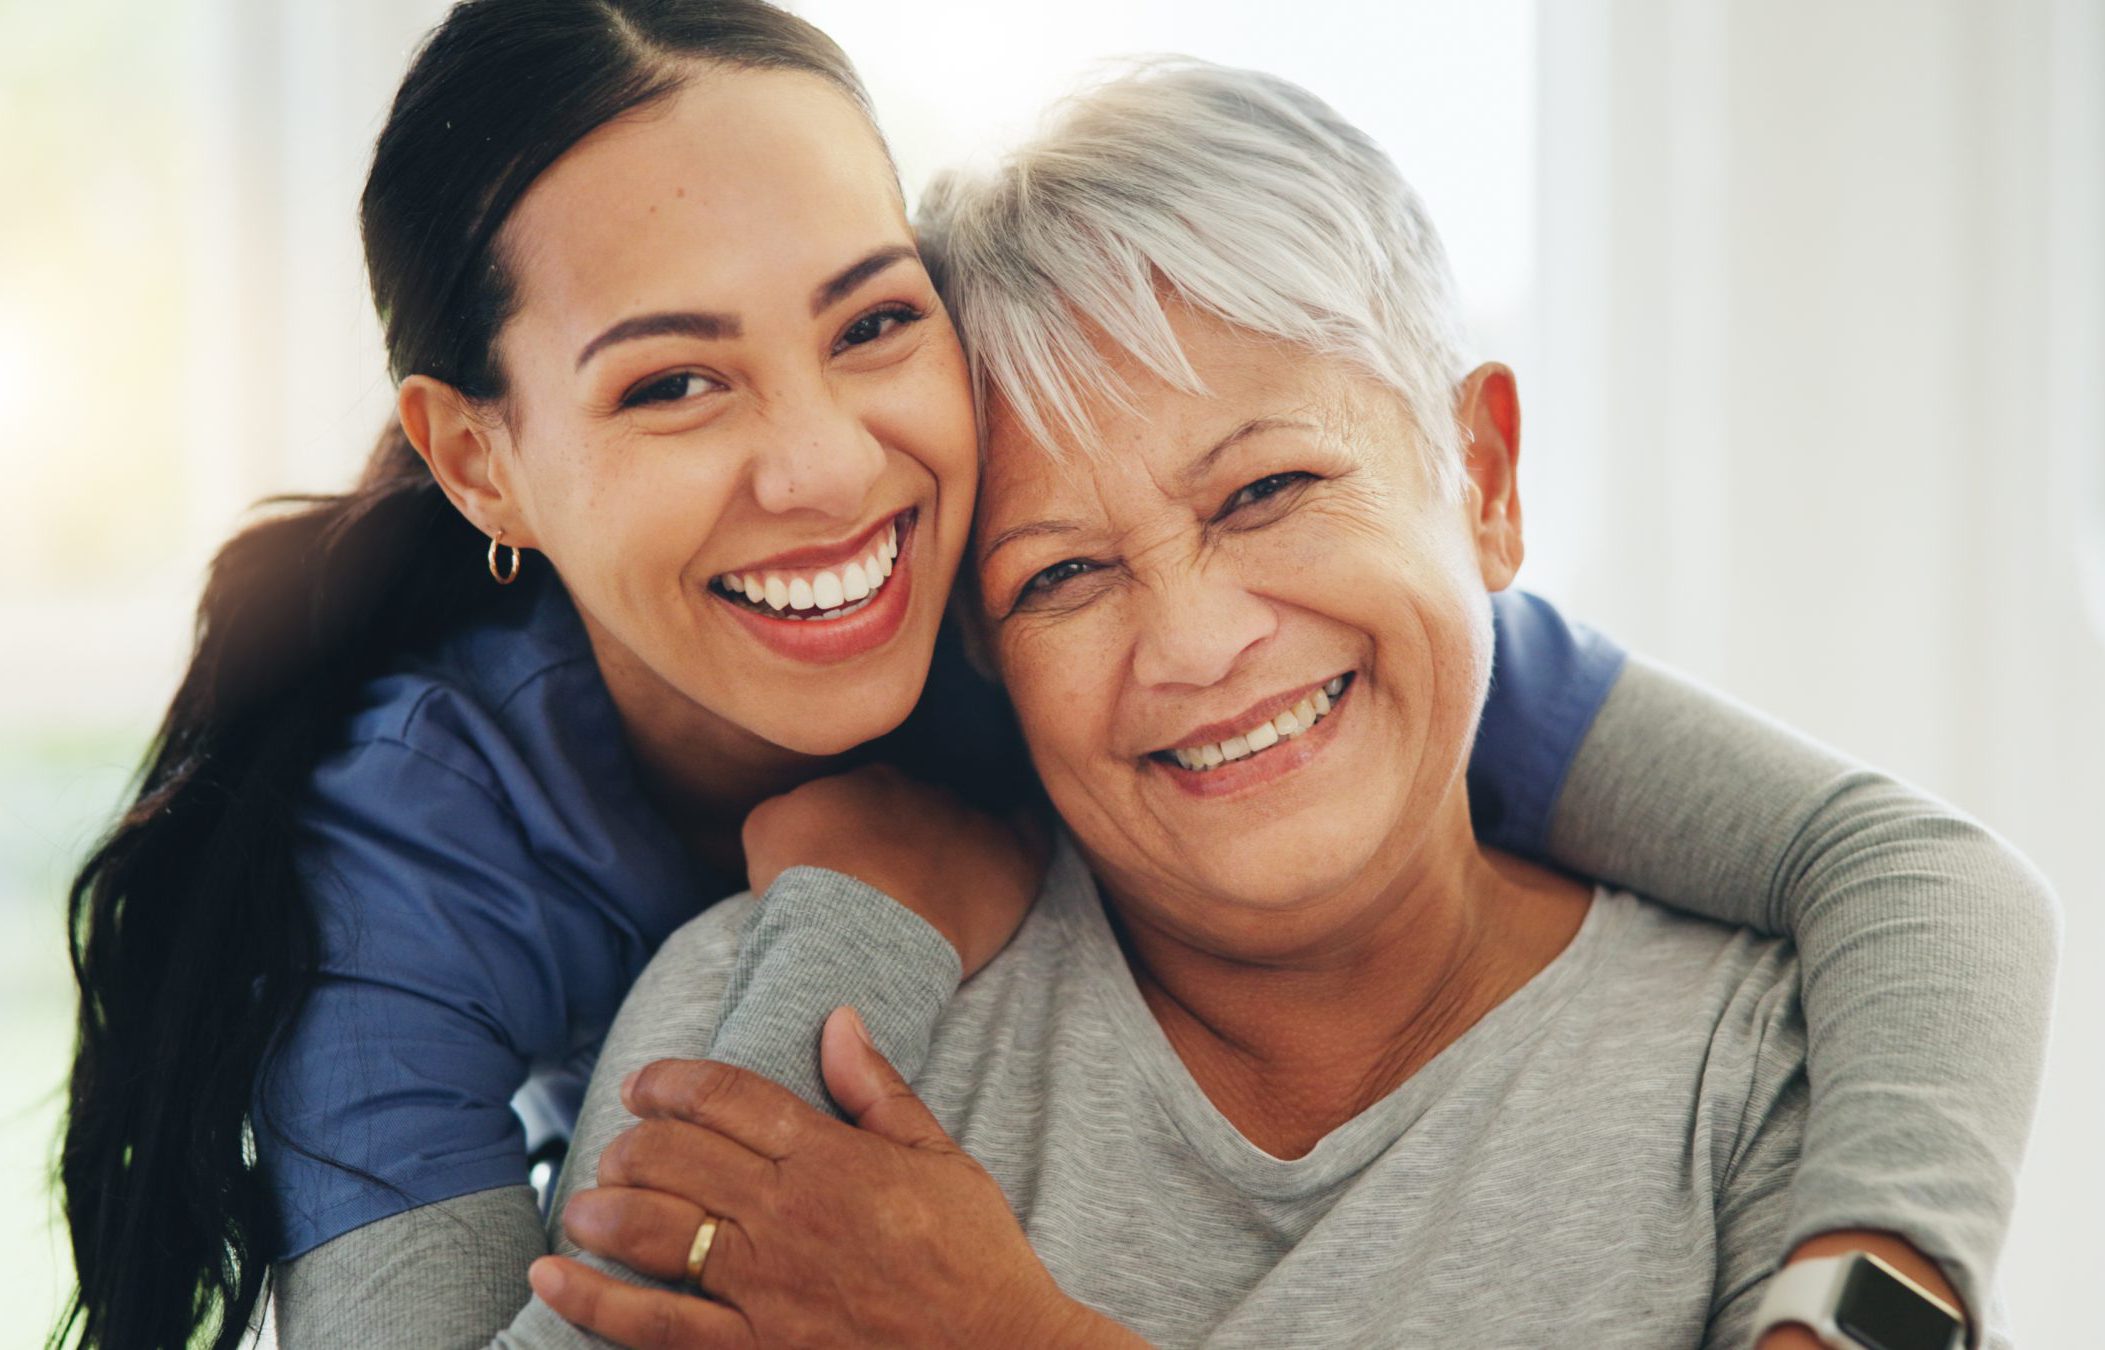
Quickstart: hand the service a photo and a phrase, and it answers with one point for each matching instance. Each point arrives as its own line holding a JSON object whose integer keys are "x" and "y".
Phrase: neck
{"x": 703, "y": 773}
{"x": 1290, "y": 1046}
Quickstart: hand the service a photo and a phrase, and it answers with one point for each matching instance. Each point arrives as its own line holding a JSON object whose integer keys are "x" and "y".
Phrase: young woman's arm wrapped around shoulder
{"x": 1927, "y": 945}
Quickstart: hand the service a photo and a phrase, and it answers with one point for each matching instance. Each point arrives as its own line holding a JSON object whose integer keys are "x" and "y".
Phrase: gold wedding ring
{"x": 698, "y": 1250}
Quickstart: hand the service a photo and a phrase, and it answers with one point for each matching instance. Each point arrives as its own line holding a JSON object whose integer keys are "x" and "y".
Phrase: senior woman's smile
{"x": 1246, "y": 630}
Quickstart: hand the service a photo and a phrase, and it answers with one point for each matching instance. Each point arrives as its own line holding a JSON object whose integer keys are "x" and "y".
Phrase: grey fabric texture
{"x": 438, "y": 1277}
{"x": 1676, "y": 792}
{"x": 1604, "y": 1160}
{"x": 1928, "y": 948}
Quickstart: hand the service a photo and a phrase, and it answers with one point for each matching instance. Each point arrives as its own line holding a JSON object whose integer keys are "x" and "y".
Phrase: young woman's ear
{"x": 1487, "y": 411}
{"x": 466, "y": 454}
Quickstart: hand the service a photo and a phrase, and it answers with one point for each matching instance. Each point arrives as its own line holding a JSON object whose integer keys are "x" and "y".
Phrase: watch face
{"x": 1881, "y": 1312}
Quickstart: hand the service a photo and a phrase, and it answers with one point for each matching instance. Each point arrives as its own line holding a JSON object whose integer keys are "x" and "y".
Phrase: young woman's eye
{"x": 876, "y": 324}
{"x": 1271, "y": 485}
{"x": 668, "y": 389}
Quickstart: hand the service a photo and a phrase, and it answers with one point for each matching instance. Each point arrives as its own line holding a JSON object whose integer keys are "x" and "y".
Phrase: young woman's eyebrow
{"x": 714, "y": 326}
{"x": 684, "y": 323}
{"x": 835, "y": 288}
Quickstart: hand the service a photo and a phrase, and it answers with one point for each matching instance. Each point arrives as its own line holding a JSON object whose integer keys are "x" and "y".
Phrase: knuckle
{"x": 709, "y": 1088}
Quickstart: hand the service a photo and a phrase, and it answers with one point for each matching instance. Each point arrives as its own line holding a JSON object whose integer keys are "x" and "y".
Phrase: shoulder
{"x": 696, "y": 961}
{"x": 488, "y": 782}
{"x": 1728, "y": 984}
{"x": 1723, "y": 1000}
{"x": 472, "y": 702}
{"x": 672, "y": 1010}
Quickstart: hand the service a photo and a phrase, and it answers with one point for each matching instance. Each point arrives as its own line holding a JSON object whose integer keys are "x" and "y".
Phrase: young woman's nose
{"x": 1195, "y": 626}
{"x": 817, "y": 455}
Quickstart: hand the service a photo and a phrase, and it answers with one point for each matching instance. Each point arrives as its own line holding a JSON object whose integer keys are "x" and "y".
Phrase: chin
{"x": 842, "y": 730}
{"x": 1281, "y": 865}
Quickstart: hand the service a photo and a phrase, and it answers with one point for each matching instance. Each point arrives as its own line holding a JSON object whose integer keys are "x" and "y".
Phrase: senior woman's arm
{"x": 1927, "y": 948}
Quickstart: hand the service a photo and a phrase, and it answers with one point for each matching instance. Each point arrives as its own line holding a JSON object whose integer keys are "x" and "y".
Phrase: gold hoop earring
{"x": 509, "y": 575}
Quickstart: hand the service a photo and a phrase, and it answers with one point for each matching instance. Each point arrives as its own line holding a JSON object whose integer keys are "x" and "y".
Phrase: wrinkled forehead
{"x": 1149, "y": 436}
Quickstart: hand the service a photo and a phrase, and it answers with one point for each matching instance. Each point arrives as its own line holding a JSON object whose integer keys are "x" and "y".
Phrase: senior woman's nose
{"x": 1194, "y": 627}
{"x": 814, "y": 453}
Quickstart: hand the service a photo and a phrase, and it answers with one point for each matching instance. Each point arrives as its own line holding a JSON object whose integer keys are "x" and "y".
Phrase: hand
{"x": 883, "y": 1235}
{"x": 971, "y": 875}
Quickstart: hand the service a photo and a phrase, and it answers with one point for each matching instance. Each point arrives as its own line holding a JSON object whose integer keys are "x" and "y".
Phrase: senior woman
{"x": 1282, "y": 1054}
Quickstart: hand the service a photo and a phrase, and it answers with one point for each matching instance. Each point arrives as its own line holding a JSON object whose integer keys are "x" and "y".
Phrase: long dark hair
{"x": 192, "y": 944}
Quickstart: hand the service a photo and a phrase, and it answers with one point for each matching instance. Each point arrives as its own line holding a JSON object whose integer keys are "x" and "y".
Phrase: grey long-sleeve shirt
{"x": 1927, "y": 950}
{"x": 1603, "y": 1160}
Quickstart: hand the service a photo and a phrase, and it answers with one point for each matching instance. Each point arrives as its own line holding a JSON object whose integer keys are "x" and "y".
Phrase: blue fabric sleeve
{"x": 445, "y": 979}
{"x": 1548, "y": 679}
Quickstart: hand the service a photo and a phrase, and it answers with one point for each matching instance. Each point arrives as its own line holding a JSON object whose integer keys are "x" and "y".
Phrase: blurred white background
{"x": 1807, "y": 299}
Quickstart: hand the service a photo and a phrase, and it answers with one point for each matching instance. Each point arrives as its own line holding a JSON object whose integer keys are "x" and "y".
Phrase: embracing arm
{"x": 1927, "y": 948}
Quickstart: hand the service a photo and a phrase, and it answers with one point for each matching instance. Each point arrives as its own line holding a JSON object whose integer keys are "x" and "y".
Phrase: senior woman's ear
{"x": 1487, "y": 409}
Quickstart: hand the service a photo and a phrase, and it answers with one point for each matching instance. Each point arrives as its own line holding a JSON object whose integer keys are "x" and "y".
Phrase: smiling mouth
{"x": 808, "y": 594}
{"x": 1262, "y": 736}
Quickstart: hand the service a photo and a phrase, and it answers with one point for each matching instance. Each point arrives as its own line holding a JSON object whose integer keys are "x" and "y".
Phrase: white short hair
{"x": 1239, "y": 193}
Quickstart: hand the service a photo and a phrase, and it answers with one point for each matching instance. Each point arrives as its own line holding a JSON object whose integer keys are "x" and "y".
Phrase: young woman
{"x": 684, "y": 470}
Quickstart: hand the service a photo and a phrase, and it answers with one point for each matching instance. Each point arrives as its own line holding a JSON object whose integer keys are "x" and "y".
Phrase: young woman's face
{"x": 739, "y": 424}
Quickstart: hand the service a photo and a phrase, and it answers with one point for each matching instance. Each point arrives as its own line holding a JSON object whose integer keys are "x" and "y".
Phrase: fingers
{"x": 651, "y": 1233}
{"x": 642, "y": 1319}
{"x": 765, "y": 1117}
{"x": 690, "y": 1161}
{"x": 867, "y": 1087}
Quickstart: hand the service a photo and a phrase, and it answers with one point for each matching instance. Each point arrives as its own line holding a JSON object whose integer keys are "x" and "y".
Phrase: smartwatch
{"x": 1857, "y": 1302}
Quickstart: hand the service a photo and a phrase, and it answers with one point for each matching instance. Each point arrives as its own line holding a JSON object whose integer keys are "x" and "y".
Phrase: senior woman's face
{"x": 1249, "y": 642}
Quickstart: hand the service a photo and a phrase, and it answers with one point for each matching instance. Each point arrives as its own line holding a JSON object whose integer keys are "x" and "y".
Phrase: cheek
{"x": 1063, "y": 678}
{"x": 924, "y": 410}
{"x": 631, "y": 515}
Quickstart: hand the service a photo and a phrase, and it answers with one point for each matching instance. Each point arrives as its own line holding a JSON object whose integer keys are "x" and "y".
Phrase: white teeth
{"x": 1264, "y": 735}
{"x": 830, "y": 594}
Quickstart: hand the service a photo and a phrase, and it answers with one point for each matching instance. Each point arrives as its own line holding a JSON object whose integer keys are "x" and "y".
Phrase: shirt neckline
{"x": 1351, "y": 1146}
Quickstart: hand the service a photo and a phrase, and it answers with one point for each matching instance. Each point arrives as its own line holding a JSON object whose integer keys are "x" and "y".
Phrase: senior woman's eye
{"x": 876, "y": 324}
{"x": 1264, "y": 489}
{"x": 668, "y": 389}
{"x": 1042, "y": 584}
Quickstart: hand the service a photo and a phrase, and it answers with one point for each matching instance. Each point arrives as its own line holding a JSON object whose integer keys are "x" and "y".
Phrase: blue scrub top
{"x": 489, "y": 879}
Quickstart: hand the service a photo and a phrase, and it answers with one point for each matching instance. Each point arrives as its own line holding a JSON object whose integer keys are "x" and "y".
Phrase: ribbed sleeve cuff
{"x": 820, "y": 940}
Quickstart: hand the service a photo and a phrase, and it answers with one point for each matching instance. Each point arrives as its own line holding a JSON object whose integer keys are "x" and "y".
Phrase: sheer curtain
{"x": 1822, "y": 311}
